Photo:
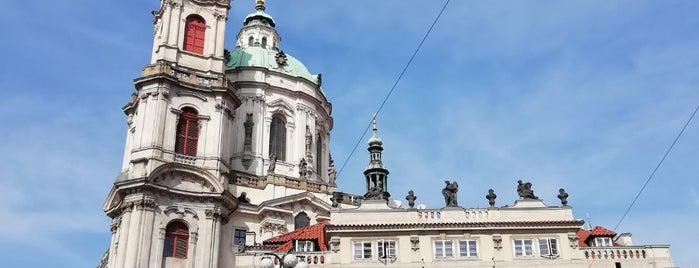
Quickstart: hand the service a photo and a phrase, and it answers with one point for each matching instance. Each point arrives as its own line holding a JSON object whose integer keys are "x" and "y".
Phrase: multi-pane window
{"x": 524, "y": 247}
{"x": 361, "y": 250}
{"x": 603, "y": 242}
{"x": 468, "y": 248}
{"x": 187, "y": 132}
{"x": 548, "y": 247}
{"x": 239, "y": 236}
{"x": 443, "y": 249}
{"x": 176, "y": 239}
{"x": 194, "y": 33}
{"x": 277, "y": 137}
{"x": 304, "y": 246}
{"x": 386, "y": 249}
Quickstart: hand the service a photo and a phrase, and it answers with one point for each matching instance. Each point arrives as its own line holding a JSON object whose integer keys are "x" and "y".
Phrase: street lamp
{"x": 287, "y": 261}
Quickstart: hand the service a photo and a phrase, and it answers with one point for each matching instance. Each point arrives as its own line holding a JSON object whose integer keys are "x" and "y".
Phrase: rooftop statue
{"x": 525, "y": 190}
{"x": 449, "y": 193}
{"x": 411, "y": 197}
{"x": 491, "y": 197}
{"x": 563, "y": 196}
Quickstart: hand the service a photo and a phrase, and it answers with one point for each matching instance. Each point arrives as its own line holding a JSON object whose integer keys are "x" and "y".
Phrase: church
{"x": 227, "y": 164}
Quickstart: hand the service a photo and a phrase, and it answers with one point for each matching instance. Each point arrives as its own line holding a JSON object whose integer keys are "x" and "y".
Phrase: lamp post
{"x": 287, "y": 261}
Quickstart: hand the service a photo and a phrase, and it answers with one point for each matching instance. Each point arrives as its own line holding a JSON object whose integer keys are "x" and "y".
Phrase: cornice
{"x": 455, "y": 226}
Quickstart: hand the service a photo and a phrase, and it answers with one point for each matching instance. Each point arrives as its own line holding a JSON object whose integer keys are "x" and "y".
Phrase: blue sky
{"x": 584, "y": 95}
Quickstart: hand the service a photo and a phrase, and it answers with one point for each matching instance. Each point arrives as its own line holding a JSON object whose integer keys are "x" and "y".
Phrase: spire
{"x": 375, "y": 140}
{"x": 376, "y": 173}
{"x": 259, "y": 16}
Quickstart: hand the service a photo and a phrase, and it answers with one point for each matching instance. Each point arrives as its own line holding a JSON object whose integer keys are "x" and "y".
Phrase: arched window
{"x": 194, "y": 33}
{"x": 277, "y": 137}
{"x": 251, "y": 41}
{"x": 176, "y": 240}
{"x": 319, "y": 155}
{"x": 264, "y": 42}
{"x": 187, "y": 132}
{"x": 301, "y": 220}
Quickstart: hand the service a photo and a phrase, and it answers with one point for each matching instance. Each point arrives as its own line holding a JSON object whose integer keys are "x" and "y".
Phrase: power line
{"x": 652, "y": 174}
{"x": 394, "y": 85}
{"x": 650, "y": 177}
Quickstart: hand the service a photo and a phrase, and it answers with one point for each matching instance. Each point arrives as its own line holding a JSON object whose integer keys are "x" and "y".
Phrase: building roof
{"x": 267, "y": 58}
{"x": 314, "y": 232}
{"x": 598, "y": 231}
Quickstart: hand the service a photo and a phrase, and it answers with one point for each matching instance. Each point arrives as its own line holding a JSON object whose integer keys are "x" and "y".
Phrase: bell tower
{"x": 376, "y": 173}
{"x": 170, "y": 204}
{"x": 191, "y": 33}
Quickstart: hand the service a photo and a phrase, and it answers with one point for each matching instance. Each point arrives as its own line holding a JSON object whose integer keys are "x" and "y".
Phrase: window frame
{"x": 386, "y": 245}
{"x": 176, "y": 232}
{"x": 187, "y": 132}
{"x": 362, "y": 246}
{"x": 443, "y": 248}
{"x": 551, "y": 247}
{"x": 304, "y": 245}
{"x": 236, "y": 236}
{"x": 468, "y": 248}
{"x": 603, "y": 242}
{"x": 523, "y": 247}
{"x": 277, "y": 137}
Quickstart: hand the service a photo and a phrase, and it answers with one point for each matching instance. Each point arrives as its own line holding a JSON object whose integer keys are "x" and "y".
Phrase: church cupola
{"x": 376, "y": 173}
{"x": 258, "y": 29}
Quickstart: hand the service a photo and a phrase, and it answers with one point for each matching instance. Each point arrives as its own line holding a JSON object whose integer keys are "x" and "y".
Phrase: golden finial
{"x": 260, "y": 2}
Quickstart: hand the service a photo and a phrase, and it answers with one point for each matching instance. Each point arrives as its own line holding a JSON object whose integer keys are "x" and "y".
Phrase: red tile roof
{"x": 598, "y": 231}
{"x": 601, "y": 231}
{"x": 314, "y": 232}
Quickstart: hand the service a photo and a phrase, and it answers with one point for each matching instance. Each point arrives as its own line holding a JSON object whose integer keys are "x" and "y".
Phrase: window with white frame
{"x": 603, "y": 242}
{"x": 523, "y": 247}
{"x": 304, "y": 246}
{"x": 443, "y": 249}
{"x": 548, "y": 247}
{"x": 468, "y": 248}
{"x": 362, "y": 250}
{"x": 386, "y": 249}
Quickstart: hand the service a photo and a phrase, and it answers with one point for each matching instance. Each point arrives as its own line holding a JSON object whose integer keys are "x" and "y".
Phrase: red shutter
{"x": 194, "y": 33}
{"x": 187, "y": 133}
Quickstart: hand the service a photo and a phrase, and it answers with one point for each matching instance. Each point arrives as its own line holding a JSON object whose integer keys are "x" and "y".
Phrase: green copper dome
{"x": 267, "y": 58}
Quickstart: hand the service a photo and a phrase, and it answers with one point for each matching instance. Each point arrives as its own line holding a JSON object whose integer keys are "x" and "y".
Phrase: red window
{"x": 176, "y": 240}
{"x": 187, "y": 132}
{"x": 194, "y": 32}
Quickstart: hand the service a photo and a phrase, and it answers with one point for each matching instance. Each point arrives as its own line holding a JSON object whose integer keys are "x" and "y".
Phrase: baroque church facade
{"x": 227, "y": 164}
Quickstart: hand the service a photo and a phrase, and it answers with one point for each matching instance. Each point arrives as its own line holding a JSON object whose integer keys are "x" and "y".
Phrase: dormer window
{"x": 603, "y": 242}
{"x": 304, "y": 246}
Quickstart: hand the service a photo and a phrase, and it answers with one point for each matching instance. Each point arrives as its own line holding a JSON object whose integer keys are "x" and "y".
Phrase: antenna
{"x": 589, "y": 224}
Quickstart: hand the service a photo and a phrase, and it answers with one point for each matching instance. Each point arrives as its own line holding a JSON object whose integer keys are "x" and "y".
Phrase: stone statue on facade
{"x": 411, "y": 197}
{"x": 491, "y": 197}
{"x": 336, "y": 199}
{"x": 524, "y": 190}
{"x": 272, "y": 163}
{"x": 563, "y": 196}
{"x": 303, "y": 168}
{"x": 332, "y": 173}
{"x": 449, "y": 193}
{"x": 243, "y": 198}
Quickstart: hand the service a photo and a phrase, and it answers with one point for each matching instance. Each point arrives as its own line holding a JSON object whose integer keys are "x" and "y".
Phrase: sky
{"x": 583, "y": 95}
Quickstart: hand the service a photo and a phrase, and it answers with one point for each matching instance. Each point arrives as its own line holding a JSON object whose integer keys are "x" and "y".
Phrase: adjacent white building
{"x": 227, "y": 162}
